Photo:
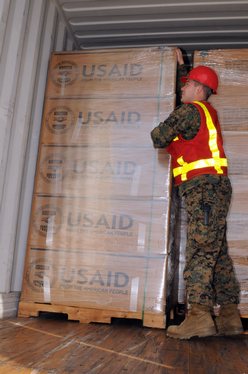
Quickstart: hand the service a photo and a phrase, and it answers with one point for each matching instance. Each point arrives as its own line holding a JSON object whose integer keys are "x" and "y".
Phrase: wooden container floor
{"x": 56, "y": 346}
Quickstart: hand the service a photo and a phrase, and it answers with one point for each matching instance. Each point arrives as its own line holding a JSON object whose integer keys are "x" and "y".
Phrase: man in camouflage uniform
{"x": 192, "y": 136}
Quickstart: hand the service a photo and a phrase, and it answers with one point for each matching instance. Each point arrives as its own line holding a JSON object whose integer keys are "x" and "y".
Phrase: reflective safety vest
{"x": 204, "y": 154}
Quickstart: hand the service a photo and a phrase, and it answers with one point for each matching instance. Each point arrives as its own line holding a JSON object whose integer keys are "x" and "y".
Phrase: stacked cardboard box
{"x": 232, "y": 106}
{"x": 99, "y": 227}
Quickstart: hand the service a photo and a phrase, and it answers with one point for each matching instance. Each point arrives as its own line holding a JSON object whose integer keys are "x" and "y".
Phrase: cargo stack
{"x": 231, "y": 104}
{"x": 99, "y": 238}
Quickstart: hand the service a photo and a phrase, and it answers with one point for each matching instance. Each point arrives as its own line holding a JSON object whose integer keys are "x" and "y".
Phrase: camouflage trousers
{"x": 209, "y": 274}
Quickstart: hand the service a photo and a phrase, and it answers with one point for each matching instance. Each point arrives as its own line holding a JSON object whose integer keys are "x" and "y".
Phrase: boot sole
{"x": 200, "y": 334}
{"x": 230, "y": 332}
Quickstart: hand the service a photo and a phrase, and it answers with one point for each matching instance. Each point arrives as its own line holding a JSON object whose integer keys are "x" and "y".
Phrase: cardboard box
{"x": 235, "y": 145}
{"x": 107, "y": 172}
{"x": 95, "y": 280}
{"x": 241, "y": 266}
{"x": 136, "y": 72}
{"x": 239, "y": 202}
{"x": 232, "y": 111}
{"x": 97, "y": 224}
{"x": 231, "y": 66}
{"x": 103, "y": 122}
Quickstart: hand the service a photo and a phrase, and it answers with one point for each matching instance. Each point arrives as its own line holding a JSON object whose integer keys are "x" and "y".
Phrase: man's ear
{"x": 200, "y": 90}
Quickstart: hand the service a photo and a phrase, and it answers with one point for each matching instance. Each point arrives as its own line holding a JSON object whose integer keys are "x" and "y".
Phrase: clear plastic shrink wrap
{"x": 99, "y": 234}
{"x": 231, "y": 66}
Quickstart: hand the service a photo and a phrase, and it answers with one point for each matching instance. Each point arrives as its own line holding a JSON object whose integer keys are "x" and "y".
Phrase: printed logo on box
{"x": 53, "y": 168}
{"x": 47, "y": 220}
{"x": 112, "y": 72}
{"x": 60, "y": 119}
{"x": 65, "y": 73}
{"x": 113, "y": 118}
{"x": 41, "y": 275}
{"x": 123, "y": 169}
{"x": 94, "y": 280}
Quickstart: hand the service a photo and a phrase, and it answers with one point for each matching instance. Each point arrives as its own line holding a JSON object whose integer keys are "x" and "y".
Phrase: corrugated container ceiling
{"x": 191, "y": 25}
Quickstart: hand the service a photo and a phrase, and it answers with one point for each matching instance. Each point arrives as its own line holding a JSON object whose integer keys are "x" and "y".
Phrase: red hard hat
{"x": 203, "y": 75}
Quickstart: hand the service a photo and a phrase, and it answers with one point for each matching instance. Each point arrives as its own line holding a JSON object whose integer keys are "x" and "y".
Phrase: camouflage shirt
{"x": 184, "y": 120}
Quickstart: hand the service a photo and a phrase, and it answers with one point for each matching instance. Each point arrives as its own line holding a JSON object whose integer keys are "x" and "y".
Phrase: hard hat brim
{"x": 184, "y": 79}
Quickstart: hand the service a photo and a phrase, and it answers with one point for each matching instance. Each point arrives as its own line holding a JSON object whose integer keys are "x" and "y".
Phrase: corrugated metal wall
{"x": 29, "y": 31}
{"x": 190, "y": 25}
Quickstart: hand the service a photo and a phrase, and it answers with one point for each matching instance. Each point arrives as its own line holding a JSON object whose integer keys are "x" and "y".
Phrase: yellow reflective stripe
{"x": 199, "y": 164}
{"x": 213, "y": 146}
{"x": 175, "y": 139}
{"x": 181, "y": 161}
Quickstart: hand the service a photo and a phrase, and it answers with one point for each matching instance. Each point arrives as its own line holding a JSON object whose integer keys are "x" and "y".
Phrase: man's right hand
{"x": 179, "y": 54}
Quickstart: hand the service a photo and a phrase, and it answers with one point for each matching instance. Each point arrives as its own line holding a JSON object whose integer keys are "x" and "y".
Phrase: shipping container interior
{"x": 30, "y": 31}
{"x": 40, "y": 176}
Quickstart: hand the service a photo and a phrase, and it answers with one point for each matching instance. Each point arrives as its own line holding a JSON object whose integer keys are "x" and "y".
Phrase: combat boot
{"x": 228, "y": 322}
{"x": 198, "y": 322}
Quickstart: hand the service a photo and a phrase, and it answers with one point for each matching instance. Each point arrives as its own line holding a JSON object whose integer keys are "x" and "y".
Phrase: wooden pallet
{"x": 88, "y": 315}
